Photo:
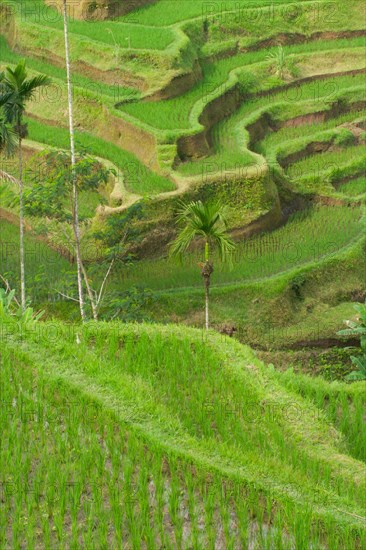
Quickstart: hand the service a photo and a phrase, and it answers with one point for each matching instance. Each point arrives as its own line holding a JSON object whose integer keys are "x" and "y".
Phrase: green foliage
{"x": 208, "y": 221}
{"x": 128, "y": 306}
{"x": 118, "y": 231}
{"x": 15, "y": 91}
{"x": 344, "y": 138}
{"x": 52, "y": 178}
{"x": 280, "y": 61}
{"x": 297, "y": 284}
{"x": 357, "y": 328}
{"x": 9, "y": 306}
{"x": 248, "y": 83}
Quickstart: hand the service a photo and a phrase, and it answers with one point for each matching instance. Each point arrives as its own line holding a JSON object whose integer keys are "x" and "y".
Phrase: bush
{"x": 344, "y": 138}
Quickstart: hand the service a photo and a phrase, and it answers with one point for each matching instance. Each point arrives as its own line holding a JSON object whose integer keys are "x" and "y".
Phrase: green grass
{"x": 354, "y": 187}
{"x": 116, "y": 93}
{"x": 325, "y": 161}
{"x": 122, "y": 34}
{"x": 45, "y": 268}
{"x": 290, "y": 133}
{"x": 175, "y": 113}
{"x": 97, "y": 439}
{"x": 343, "y": 404}
{"x": 165, "y": 12}
{"x": 307, "y": 237}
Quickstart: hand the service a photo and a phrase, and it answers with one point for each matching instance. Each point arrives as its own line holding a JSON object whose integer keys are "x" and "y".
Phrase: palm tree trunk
{"x": 207, "y": 286}
{"x": 75, "y": 213}
{"x": 207, "y": 271}
{"x": 21, "y": 227}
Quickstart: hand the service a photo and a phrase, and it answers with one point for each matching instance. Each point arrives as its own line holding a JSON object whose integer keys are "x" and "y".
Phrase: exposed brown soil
{"x": 198, "y": 145}
{"x": 298, "y": 38}
{"x": 99, "y": 10}
{"x": 178, "y": 85}
{"x": 322, "y": 343}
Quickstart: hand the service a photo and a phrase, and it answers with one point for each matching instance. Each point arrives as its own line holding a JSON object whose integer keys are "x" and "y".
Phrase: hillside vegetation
{"x": 171, "y": 437}
{"x": 219, "y": 161}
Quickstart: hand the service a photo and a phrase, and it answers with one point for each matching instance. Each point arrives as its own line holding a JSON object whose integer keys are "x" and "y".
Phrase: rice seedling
{"x": 145, "y": 448}
{"x": 326, "y": 161}
{"x": 354, "y": 187}
{"x": 174, "y": 114}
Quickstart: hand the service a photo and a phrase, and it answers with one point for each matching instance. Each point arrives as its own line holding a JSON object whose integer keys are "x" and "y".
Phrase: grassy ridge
{"x": 229, "y": 413}
{"x": 307, "y": 236}
{"x": 138, "y": 178}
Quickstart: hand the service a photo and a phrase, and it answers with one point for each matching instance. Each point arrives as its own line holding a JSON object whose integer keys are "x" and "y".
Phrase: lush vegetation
{"x": 128, "y": 451}
{"x": 214, "y": 142}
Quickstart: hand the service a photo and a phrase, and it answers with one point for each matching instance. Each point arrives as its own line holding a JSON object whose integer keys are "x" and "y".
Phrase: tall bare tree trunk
{"x": 21, "y": 226}
{"x": 73, "y": 162}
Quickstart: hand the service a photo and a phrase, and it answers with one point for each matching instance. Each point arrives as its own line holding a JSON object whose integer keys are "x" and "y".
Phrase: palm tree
{"x": 7, "y": 138}
{"x": 208, "y": 221}
{"x": 7, "y": 146}
{"x": 15, "y": 91}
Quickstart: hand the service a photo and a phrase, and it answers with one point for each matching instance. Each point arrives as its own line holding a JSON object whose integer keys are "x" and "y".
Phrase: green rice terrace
{"x": 182, "y": 275}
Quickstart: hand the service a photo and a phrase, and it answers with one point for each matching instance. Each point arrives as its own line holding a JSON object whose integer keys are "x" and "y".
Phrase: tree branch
{"x": 66, "y": 296}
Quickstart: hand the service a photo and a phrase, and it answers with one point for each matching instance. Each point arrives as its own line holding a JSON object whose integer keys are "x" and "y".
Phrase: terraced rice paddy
{"x": 307, "y": 237}
{"x": 113, "y": 475}
{"x": 133, "y": 436}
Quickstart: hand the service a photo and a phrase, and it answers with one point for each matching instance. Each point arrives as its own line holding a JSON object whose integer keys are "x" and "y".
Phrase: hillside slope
{"x": 210, "y": 443}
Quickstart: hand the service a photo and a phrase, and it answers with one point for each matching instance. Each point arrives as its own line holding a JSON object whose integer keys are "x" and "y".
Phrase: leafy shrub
{"x": 296, "y": 285}
{"x": 344, "y": 138}
{"x": 248, "y": 83}
{"x": 9, "y": 306}
{"x": 357, "y": 328}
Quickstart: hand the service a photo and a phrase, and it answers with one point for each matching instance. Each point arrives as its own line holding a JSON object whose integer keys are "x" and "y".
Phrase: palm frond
{"x": 202, "y": 220}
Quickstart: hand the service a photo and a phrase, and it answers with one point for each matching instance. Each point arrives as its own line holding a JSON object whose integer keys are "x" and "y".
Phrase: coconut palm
{"x": 7, "y": 138}
{"x": 208, "y": 221}
{"x": 15, "y": 91}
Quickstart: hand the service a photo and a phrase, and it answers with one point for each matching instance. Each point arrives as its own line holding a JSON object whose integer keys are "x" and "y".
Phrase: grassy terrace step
{"x": 114, "y": 93}
{"x": 231, "y": 137}
{"x": 138, "y": 178}
{"x": 290, "y": 133}
{"x": 303, "y": 464}
{"x": 354, "y": 187}
{"x": 36, "y": 30}
{"x": 164, "y": 12}
{"x": 183, "y": 112}
{"x": 308, "y": 237}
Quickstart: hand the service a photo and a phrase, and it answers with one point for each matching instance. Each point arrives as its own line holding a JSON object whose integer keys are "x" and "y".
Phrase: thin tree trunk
{"x": 75, "y": 213}
{"x": 207, "y": 285}
{"x": 207, "y": 271}
{"x": 21, "y": 227}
